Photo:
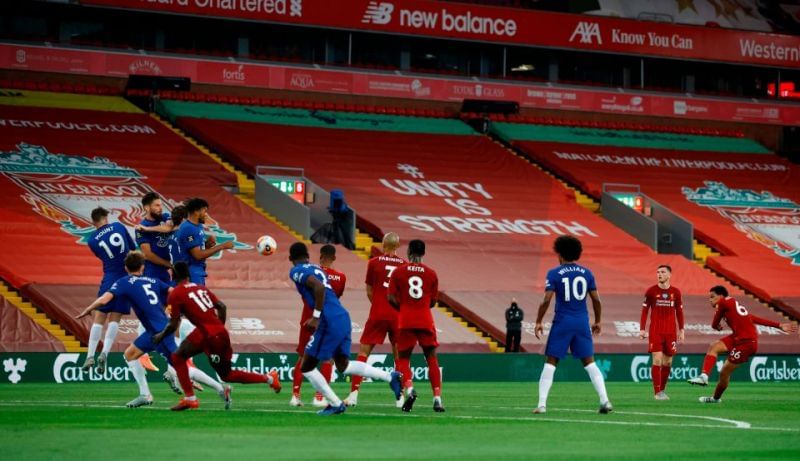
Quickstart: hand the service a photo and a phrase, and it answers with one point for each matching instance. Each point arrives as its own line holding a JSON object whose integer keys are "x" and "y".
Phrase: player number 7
{"x": 389, "y": 271}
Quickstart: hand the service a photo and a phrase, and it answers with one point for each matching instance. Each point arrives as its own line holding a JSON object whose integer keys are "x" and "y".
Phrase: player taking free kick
{"x": 740, "y": 345}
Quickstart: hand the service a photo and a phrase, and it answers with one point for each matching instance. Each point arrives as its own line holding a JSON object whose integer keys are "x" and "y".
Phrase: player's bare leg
{"x": 599, "y": 384}
{"x": 708, "y": 363}
{"x": 435, "y": 377}
{"x": 724, "y": 380}
{"x": 545, "y": 383}
{"x": 132, "y": 354}
{"x": 94, "y": 338}
{"x": 112, "y": 327}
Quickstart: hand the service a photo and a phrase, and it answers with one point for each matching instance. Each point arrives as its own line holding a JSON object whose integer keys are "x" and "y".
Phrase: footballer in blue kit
{"x": 110, "y": 242}
{"x": 330, "y": 322}
{"x": 193, "y": 243}
{"x": 153, "y": 243}
{"x": 145, "y": 295}
{"x": 570, "y": 283}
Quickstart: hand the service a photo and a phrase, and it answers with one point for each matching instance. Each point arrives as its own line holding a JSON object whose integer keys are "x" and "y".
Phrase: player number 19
{"x": 578, "y": 289}
{"x": 116, "y": 240}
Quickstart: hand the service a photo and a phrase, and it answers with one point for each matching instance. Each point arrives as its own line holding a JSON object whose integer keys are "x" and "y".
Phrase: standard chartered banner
{"x": 61, "y": 368}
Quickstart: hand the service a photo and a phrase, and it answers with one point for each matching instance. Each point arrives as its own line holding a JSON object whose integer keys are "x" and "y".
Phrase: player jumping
{"x": 667, "y": 305}
{"x": 382, "y": 319}
{"x": 570, "y": 330}
{"x": 144, "y": 294}
{"x": 198, "y": 304}
{"x": 740, "y": 345}
{"x": 331, "y": 324}
{"x": 413, "y": 291}
{"x": 327, "y": 255}
{"x": 110, "y": 242}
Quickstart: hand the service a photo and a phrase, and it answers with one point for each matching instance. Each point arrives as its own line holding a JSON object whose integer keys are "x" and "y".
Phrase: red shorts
{"x": 407, "y": 338}
{"x": 375, "y": 331}
{"x": 302, "y": 340}
{"x": 666, "y": 343}
{"x": 217, "y": 347}
{"x": 740, "y": 351}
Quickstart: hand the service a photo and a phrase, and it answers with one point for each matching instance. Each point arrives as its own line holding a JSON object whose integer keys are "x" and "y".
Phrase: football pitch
{"x": 483, "y": 421}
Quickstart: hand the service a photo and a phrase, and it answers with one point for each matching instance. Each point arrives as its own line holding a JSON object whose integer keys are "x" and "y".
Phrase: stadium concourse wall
{"x": 65, "y": 368}
{"x": 56, "y": 164}
{"x": 488, "y": 217}
{"x": 742, "y": 201}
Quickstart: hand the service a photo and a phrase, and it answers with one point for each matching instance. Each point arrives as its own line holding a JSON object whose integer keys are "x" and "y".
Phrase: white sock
{"x": 362, "y": 369}
{"x": 196, "y": 374}
{"x": 597, "y": 381}
{"x": 545, "y": 382}
{"x": 94, "y": 338}
{"x": 111, "y": 334}
{"x": 320, "y": 385}
{"x": 140, "y": 376}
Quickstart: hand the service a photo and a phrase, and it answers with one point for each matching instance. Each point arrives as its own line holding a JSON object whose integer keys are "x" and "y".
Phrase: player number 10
{"x": 578, "y": 289}
{"x": 202, "y": 300}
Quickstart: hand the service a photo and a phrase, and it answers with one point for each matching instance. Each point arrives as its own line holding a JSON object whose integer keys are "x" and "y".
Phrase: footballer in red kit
{"x": 382, "y": 319}
{"x": 413, "y": 291}
{"x": 665, "y": 305}
{"x": 337, "y": 281}
{"x": 740, "y": 345}
{"x": 207, "y": 313}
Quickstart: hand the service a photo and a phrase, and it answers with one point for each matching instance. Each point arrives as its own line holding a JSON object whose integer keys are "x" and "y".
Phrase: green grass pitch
{"x": 483, "y": 421}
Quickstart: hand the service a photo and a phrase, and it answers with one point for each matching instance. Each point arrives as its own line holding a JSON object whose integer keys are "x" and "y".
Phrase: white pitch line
{"x": 461, "y": 417}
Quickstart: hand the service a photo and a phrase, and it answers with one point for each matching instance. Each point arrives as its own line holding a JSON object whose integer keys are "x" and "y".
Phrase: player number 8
{"x": 415, "y": 287}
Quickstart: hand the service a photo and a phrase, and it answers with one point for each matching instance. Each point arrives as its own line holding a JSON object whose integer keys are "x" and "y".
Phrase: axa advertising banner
{"x": 64, "y": 368}
{"x": 232, "y": 73}
{"x": 498, "y": 24}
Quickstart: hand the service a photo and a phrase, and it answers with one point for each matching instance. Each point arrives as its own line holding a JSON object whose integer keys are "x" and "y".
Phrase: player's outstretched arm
{"x": 543, "y": 306}
{"x": 172, "y": 327}
{"x": 104, "y": 299}
{"x": 222, "y": 310}
{"x": 201, "y": 253}
{"x": 165, "y": 228}
{"x": 597, "y": 306}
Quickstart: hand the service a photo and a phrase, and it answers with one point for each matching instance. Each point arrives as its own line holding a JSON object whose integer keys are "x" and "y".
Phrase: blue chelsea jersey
{"x": 111, "y": 243}
{"x": 300, "y": 274}
{"x": 571, "y": 284}
{"x": 145, "y": 295}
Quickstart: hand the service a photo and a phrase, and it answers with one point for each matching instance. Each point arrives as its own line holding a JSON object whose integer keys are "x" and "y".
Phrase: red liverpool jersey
{"x": 196, "y": 303}
{"x": 666, "y": 306}
{"x": 739, "y": 319}
{"x": 379, "y": 270}
{"x": 415, "y": 286}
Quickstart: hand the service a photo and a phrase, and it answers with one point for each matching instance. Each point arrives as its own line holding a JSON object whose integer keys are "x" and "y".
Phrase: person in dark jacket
{"x": 514, "y": 316}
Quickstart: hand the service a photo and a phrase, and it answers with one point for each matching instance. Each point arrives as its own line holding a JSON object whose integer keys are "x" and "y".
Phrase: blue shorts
{"x": 118, "y": 304}
{"x": 332, "y": 339}
{"x": 197, "y": 275}
{"x": 166, "y": 347}
{"x": 573, "y": 336}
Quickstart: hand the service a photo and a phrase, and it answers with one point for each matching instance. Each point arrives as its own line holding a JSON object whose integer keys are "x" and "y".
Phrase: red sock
{"x": 182, "y": 370}
{"x": 404, "y": 367}
{"x": 708, "y": 364}
{"x": 435, "y": 374}
{"x": 665, "y": 370}
{"x": 355, "y": 381}
{"x": 245, "y": 377}
{"x": 327, "y": 370}
{"x": 297, "y": 377}
{"x": 655, "y": 374}
{"x": 719, "y": 390}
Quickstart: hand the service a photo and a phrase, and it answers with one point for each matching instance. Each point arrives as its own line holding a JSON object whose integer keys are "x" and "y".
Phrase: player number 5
{"x": 151, "y": 295}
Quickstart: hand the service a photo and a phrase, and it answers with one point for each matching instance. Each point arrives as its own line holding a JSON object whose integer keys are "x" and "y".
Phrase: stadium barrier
{"x": 63, "y": 368}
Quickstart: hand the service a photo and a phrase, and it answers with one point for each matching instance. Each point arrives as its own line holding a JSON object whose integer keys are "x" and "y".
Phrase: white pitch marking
{"x": 463, "y": 417}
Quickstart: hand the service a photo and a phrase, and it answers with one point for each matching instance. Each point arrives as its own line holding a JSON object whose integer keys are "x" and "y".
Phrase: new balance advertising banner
{"x": 501, "y": 25}
{"x": 62, "y": 368}
{"x": 232, "y": 73}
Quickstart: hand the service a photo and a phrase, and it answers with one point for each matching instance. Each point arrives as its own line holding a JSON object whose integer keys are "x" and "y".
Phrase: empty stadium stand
{"x": 744, "y": 201}
{"x": 58, "y": 164}
{"x": 488, "y": 216}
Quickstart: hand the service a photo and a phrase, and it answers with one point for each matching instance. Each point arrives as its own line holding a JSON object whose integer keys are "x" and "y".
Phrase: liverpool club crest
{"x": 66, "y": 188}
